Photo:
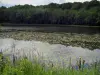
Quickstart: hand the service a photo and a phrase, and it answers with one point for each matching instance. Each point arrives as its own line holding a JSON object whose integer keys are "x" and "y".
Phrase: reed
{"x": 26, "y": 67}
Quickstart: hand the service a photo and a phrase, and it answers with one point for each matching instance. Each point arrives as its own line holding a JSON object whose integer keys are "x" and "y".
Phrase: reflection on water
{"x": 52, "y": 52}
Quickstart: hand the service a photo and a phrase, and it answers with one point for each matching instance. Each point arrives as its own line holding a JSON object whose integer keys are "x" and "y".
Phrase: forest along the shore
{"x": 77, "y": 13}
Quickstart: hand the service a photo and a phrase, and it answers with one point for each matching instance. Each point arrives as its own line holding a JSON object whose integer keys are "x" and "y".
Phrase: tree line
{"x": 77, "y": 13}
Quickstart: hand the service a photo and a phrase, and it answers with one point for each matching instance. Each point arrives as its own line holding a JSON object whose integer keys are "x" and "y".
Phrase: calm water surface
{"x": 52, "y": 52}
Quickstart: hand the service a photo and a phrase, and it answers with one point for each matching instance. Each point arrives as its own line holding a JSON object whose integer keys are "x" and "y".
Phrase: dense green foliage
{"x": 77, "y": 13}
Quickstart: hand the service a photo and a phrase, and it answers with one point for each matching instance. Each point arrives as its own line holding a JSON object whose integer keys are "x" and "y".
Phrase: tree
{"x": 67, "y": 13}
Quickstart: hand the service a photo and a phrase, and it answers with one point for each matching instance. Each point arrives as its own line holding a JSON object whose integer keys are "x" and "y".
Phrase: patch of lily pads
{"x": 91, "y": 41}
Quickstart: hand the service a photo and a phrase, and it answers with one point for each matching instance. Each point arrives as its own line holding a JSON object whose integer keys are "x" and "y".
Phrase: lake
{"x": 68, "y": 29}
{"x": 73, "y": 43}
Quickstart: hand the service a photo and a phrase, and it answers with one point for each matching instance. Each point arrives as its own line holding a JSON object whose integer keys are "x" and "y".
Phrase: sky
{"x": 35, "y": 2}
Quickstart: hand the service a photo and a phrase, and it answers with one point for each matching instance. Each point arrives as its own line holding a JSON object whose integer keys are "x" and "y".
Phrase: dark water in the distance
{"x": 69, "y": 29}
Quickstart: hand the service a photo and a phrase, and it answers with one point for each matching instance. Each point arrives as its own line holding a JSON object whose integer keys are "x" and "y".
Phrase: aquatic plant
{"x": 25, "y": 67}
{"x": 91, "y": 41}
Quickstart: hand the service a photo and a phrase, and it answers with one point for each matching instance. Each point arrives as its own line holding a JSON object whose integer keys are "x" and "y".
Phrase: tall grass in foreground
{"x": 26, "y": 67}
